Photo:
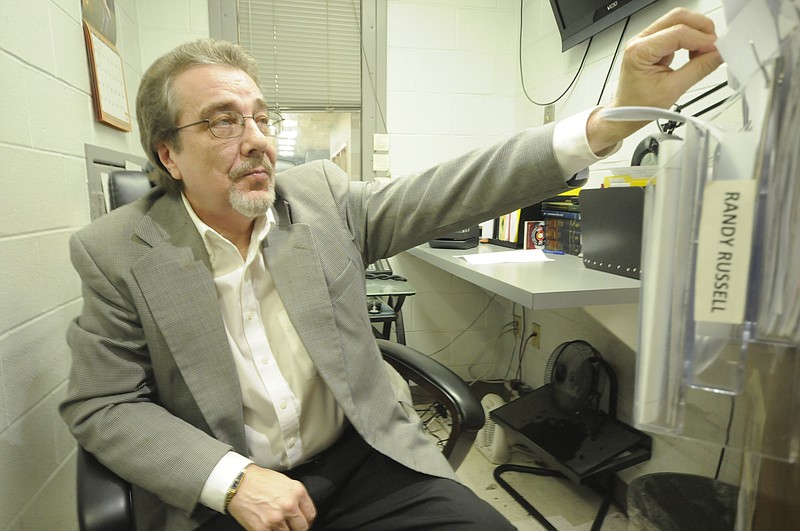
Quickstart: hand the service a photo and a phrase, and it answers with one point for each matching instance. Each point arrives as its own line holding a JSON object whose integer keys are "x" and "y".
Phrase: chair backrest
{"x": 125, "y": 186}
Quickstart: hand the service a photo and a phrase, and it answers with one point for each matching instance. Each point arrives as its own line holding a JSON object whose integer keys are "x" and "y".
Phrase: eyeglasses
{"x": 230, "y": 124}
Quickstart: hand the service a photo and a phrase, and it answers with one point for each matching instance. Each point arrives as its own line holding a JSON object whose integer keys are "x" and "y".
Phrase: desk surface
{"x": 562, "y": 283}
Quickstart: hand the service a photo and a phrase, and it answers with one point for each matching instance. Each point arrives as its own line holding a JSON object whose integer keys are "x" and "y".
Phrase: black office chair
{"x": 104, "y": 499}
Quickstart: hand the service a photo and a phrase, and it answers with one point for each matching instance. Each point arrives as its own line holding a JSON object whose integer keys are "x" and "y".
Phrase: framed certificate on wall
{"x": 108, "y": 80}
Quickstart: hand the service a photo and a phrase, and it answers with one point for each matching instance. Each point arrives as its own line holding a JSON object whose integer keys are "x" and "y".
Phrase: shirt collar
{"x": 213, "y": 239}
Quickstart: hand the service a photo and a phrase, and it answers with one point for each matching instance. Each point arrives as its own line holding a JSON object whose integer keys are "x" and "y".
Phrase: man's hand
{"x": 269, "y": 500}
{"x": 646, "y": 78}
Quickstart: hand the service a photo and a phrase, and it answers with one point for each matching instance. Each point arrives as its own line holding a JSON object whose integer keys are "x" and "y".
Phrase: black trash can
{"x": 668, "y": 501}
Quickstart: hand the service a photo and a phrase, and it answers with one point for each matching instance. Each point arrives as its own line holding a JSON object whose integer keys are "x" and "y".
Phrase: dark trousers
{"x": 354, "y": 487}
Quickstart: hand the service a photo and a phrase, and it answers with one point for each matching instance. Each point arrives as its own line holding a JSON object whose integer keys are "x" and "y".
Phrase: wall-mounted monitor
{"x": 578, "y": 20}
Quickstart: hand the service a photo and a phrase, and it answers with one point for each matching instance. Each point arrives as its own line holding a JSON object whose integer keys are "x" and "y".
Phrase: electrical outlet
{"x": 550, "y": 113}
{"x": 536, "y": 334}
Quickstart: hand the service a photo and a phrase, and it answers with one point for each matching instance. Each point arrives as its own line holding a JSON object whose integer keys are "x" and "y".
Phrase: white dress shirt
{"x": 282, "y": 393}
{"x": 281, "y": 389}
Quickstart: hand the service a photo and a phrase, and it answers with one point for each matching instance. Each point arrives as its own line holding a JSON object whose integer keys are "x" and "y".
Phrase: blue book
{"x": 561, "y": 214}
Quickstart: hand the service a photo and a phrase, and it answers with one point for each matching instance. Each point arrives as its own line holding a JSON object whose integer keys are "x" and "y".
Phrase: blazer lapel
{"x": 297, "y": 271}
{"x": 176, "y": 280}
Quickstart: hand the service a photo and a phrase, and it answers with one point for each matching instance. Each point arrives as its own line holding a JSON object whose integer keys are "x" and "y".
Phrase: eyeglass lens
{"x": 231, "y": 124}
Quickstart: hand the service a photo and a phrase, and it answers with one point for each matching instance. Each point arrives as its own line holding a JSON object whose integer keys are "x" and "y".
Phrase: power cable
{"x": 614, "y": 59}
{"x": 522, "y": 73}
{"x": 468, "y": 326}
{"x": 727, "y": 438}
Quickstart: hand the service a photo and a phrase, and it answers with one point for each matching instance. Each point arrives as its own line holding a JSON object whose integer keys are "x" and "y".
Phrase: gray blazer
{"x": 153, "y": 391}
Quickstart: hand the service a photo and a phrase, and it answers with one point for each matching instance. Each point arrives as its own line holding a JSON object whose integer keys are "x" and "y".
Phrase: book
{"x": 508, "y": 227}
{"x": 534, "y": 235}
{"x": 561, "y": 206}
{"x": 560, "y": 214}
{"x": 562, "y": 235}
{"x": 562, "y": 224}
{"x": 570, "y": 196}
{"x": 568, "y": 248}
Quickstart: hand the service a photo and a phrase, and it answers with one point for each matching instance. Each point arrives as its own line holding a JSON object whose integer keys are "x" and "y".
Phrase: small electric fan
{"x": 578, "y": 376}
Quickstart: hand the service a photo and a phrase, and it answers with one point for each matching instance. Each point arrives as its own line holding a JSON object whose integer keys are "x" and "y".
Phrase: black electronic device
{"x": 578, "y": 20}
{"x": 460, "y": 239}
{"x": 563, "y": 423}
{"x": 565, "y": 418}
{"x": 378, "y": 268}
{"x": 611, "y": 229}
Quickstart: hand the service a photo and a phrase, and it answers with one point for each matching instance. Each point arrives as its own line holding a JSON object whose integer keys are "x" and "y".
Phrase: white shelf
{"x": 562, "y": 283}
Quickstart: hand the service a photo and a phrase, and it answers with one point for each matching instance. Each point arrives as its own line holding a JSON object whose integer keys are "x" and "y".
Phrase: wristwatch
{"x": 233, "y": 489}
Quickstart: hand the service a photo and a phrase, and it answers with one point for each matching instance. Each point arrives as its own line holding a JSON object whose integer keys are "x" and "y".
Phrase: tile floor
{"x": 567, "y": 506}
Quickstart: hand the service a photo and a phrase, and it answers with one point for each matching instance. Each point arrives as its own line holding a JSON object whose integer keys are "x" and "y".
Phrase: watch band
{"x": 233, "y": 489}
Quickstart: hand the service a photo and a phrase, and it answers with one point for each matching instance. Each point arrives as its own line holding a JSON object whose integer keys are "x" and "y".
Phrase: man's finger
{"x": 297, "y": 522}
{"x": 682, "y": 16}
{"x": 699, "y": 67}
{"x": 308, "y": 510}
{"x": 652, "y": 49}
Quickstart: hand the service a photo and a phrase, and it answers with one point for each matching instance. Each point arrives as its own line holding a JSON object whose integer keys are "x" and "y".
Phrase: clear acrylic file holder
{"x": 713, "y": 334}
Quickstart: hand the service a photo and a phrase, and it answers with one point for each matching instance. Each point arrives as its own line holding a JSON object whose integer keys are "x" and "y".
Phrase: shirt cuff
{"x": 572, "y": 147}
{"x": 220, "y": 480}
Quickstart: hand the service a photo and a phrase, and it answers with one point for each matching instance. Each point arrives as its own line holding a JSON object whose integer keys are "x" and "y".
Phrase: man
{"x": 223, "y": 362}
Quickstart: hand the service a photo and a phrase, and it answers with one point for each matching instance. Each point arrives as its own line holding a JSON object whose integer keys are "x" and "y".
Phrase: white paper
{"x": 519, "y": 256}
{"x": 380, "y": 142}
{"x": 751, "y": 40}
{"x": 487, "y": 228}
{"x": 380, "y": 162}
{"x": 106, "y": 194}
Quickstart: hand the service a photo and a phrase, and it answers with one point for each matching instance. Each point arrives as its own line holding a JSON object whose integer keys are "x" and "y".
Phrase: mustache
{"x": 248, "y": 165}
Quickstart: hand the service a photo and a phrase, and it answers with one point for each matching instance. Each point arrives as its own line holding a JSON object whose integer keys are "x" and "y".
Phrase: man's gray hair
{"x": 156, "y": 103}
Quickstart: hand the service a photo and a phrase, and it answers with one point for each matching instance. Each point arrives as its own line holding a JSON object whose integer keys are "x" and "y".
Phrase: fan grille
{"x": 577, "y": 381}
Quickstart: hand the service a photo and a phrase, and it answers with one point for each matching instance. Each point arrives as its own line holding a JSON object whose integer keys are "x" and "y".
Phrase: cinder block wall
{"x": 47, "y": 117}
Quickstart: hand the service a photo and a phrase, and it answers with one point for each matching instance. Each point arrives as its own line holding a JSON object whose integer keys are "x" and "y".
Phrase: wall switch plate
{"x": 550, "y": 113}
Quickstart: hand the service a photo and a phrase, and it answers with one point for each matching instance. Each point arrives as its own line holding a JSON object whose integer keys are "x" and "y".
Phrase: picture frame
{"x": 108, "y": 80}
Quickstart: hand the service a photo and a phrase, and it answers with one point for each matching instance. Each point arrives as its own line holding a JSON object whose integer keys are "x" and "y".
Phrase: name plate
{"x": 723, "y": 252}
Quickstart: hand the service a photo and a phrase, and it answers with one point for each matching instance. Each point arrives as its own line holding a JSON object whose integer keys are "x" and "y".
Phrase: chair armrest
{"x": 104, "y": 499}
{"x": 446, "y": 388}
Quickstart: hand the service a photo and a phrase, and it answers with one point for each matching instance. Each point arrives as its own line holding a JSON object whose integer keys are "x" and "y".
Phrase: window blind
{"x": 308, "y": 51}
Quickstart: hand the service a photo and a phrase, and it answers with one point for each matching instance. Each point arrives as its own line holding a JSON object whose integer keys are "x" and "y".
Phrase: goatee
{"x": 252, "y": 203}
